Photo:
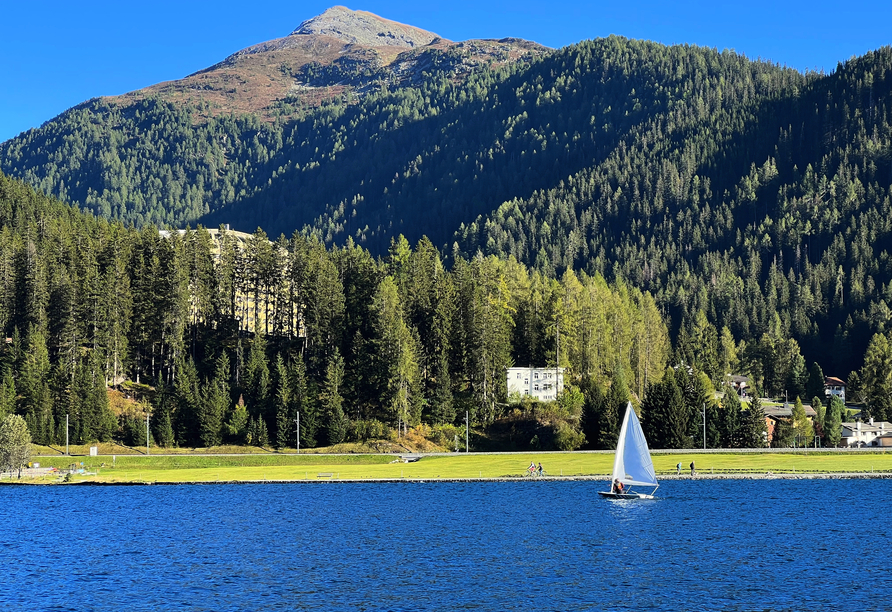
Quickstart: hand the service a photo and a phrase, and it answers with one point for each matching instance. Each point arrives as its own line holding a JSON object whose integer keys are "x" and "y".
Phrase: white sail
{"x": 633, "y": 465}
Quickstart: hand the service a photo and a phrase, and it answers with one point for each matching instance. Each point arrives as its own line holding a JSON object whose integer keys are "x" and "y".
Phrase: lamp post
{"x": 66, "y": 435}
{"x": 467, "y": 427}
{"x": 704, "y": 425}
{"x": 147, "y": 433}
{"x": 297, "y": 420}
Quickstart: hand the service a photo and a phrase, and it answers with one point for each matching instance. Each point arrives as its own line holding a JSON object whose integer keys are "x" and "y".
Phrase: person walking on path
{"x": 692, "y": 468}
{"x": 678, "y": 469}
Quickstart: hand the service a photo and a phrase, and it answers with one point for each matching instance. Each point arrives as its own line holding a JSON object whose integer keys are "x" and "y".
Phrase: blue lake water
{"x": 705, "y": 545}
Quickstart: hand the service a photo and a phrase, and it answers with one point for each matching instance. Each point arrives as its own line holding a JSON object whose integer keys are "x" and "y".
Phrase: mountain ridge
{"x": 338, "y": 54}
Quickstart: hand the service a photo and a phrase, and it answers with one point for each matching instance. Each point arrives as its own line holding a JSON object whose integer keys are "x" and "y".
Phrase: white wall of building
{"x": 543, "y": 384}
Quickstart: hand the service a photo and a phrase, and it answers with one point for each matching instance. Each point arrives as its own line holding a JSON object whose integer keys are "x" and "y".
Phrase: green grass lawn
{"x": 199, "y": 468}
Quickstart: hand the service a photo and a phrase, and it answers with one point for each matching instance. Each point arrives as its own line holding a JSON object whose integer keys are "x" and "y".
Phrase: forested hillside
{"x": 86, "y": 303}
{"x": 743, "y": 196}
{"x": 775, "y": 220}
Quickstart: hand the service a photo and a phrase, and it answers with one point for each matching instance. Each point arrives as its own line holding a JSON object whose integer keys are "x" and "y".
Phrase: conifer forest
{"x": 652, "y": 218}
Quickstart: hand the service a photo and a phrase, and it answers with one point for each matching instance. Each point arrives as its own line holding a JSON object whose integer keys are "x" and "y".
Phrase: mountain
{"x": 336, "y": 54}
{"x": 739, "y": 193}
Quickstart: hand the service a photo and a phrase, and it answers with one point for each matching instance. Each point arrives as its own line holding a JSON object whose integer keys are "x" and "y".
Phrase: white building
{"x": 866, "y": 434}
{"x": 834, "y": 386}
{"x": 543, "y": 384}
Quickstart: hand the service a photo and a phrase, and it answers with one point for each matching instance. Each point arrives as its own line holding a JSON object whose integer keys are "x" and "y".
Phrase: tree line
{"x": 225, "y": 339}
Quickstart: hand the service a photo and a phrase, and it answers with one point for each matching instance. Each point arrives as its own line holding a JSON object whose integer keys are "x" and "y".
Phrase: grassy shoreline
{"x": 203, "y": 468}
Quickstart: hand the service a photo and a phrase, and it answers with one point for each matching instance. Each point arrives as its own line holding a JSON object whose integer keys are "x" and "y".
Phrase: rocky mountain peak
{"x": 363, "y": 28}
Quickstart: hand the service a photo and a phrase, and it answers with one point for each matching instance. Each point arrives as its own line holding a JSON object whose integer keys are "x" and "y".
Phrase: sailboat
{"x": 632, "y": 465}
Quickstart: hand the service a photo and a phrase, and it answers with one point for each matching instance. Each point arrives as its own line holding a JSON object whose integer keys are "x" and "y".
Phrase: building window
{"x": 536, "y": 375}
{"x": 535, "y": 387}
{"x": 518, "y": 375}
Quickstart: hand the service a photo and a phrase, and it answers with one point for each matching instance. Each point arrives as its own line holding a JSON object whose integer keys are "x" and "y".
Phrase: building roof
{"x": 833, "y": 380}
{"x": 875, "y": 427}
{"x": 786, "y": 411}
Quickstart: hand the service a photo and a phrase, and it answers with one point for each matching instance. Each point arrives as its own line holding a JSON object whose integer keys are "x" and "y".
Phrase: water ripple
{"x": 707, "y": 545}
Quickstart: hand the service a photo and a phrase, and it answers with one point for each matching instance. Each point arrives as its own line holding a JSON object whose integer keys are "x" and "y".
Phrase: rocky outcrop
{"x": 362, "y": 28}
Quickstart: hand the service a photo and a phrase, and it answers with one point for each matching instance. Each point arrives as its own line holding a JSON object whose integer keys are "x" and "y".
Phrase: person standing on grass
{"x": 692, "y": 468}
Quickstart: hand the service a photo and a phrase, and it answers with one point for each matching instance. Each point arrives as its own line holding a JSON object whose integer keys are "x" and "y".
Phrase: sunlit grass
{"x": 198, "y": 468}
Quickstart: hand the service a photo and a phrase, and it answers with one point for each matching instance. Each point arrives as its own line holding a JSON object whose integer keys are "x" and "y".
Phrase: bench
{"x": 325, "y": 474}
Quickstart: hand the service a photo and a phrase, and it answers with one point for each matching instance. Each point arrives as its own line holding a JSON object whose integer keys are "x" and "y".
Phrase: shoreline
{"x": 593, "y": 478}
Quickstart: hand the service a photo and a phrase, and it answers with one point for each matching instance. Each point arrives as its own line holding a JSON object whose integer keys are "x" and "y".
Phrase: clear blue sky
{"x": 55, "y": 54}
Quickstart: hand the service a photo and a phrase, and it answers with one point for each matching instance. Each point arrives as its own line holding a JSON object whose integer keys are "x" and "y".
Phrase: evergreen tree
{"x": 332, "y": 402}
{"x": 833, "y": 427}
{"x": 186, "y": 416}
{"x": 614, "y": 406}
{"x": 283, "y": 403}
{"x": 442, "y": 409}
{"x": 304, "y": 403}
{"x": 236, "y": 427}
{"x": 215, "y": 400}
{"x": 257, "y": 378}
{"x": 815, "y": 386}
{"x": 753, "y": 430}
{"x": 7, "y": 394}
{"x": 731, "y": 419}
{"x": 784, "y": 435}
{"x": 820, "y": 416}
{"x": 35, "y": 401}
{"x": 592, "y": 410}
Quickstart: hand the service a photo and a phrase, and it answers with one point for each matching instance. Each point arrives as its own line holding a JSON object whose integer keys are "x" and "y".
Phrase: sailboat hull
{"x": 611, "y": 495}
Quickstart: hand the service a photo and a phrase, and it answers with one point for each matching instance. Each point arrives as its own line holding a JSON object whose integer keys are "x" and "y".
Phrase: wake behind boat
{"x": 632, "y": 465}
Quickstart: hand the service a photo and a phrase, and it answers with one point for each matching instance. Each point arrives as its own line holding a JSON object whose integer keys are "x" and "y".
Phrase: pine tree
{"x": 214, "y": 401}
{"x": 442, "y": 407}
{"x": 820, "y": 416}
{"x": 35, "y": 401}
{"x": 784, "y": 434}
{"x": 236, "y": 427}
{"x": 283, "y": 403}
{"x": 332, "y": 402}
{"x": 7, "y": 394}
{"x": 815, "y": 385}
{"x": 592, "y": 410}
{"x": 731, "y": 417}
{"x": 614, "y": 406}
{"x": 833, "y": 427}
{"x": 304, "y": 403}
{"x": 257, "y": 378}
{"x": 753, "y": 430}
{"x": 186, "y": 417}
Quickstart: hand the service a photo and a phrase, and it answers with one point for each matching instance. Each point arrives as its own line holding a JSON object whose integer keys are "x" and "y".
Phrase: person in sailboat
{"x": 617, "y": 486}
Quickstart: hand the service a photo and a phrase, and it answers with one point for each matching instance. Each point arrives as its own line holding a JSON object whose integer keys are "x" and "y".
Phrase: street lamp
{"x": 704, "y": 425}
{"x": 297, "y": 420}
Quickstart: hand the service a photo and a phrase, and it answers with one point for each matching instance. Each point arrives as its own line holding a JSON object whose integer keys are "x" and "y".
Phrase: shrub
{"x": 372, "y": 429}
{"x": 566, "y": 438}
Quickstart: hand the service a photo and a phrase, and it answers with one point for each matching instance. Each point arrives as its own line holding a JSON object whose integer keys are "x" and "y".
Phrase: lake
{"x": 703, "y": 545}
